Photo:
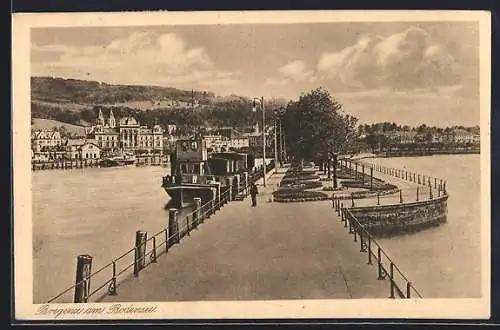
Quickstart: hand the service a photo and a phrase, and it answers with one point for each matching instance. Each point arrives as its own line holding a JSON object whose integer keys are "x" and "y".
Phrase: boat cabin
{"x": 227, "y": 162}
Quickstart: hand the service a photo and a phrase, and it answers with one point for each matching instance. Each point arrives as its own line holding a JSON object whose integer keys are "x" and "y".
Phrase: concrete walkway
{"x": 272, "y": 251}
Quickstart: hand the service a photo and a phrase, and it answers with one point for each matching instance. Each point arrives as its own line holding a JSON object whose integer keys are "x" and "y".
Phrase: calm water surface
{"x": 444, "y": 261}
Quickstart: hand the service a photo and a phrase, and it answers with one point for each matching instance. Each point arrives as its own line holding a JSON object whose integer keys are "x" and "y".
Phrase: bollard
{"x": 400, "y": 195}
{"x": 140, "y": 248}
{"x": 369, "y": 250}
{"x": 173, "y": 228}
{"x": 371, "y": 177}
{"x": 417, "y": 194}
{"x": 82, "y": 281}
{"x": 379, "y": 261}
{"x": 153, "y": 252}
{"x": 197, "y": 212}
{"x": 391, "y": 280}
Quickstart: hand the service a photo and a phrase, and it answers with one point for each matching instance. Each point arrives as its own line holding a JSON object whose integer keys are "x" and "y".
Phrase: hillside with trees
{"x": 78, "y": 102}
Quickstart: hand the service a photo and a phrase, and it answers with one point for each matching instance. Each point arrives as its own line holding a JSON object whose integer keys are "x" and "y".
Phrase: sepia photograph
{"x": 251, "y": 164}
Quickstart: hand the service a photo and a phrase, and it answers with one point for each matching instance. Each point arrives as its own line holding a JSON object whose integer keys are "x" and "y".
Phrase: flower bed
{"x": 298, "y": 195}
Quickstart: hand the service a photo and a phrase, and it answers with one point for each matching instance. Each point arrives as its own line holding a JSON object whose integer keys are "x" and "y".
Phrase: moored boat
{"x": 195, "y": 174}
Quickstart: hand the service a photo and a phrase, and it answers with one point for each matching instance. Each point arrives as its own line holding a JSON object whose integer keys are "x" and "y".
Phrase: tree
{"x": 317, "y": 128}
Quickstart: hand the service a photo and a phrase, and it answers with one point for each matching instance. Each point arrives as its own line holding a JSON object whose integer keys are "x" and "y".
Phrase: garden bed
{"x": 298, "y": 195}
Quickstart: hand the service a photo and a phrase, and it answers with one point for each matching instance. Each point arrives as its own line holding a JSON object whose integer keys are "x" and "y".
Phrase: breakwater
{"x": 419, "y": 206}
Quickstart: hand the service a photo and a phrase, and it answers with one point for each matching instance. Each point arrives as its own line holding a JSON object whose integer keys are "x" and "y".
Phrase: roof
{"x": 75, "y": 142}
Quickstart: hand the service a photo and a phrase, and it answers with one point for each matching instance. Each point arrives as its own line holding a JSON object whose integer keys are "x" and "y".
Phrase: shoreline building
{"x": 125, "y": 134}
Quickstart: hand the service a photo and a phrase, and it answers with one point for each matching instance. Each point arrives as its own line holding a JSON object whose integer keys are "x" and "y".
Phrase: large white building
{"x": 125, "y": 134}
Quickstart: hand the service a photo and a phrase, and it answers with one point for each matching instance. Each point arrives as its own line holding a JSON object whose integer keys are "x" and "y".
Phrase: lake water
{"x": 97, "y": 211}
{"x": 444, "y": 261}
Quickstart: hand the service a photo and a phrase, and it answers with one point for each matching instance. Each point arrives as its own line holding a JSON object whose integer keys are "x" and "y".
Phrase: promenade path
{"x": 272, "y": 251}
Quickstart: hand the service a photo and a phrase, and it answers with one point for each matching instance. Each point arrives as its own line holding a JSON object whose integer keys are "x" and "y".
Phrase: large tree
{"x": 318, "y": 129}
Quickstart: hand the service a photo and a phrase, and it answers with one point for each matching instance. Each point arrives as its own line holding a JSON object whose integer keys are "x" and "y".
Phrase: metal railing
{"x": 403, "y": 174}
{"x": 147, "y": 250}
{"x": 399, "y": 285}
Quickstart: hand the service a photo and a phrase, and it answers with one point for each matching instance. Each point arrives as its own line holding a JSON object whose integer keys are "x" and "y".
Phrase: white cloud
{"x": 139, "y": 58}
{"x": 296, "y": 70}
{"x": 405, "y": 60}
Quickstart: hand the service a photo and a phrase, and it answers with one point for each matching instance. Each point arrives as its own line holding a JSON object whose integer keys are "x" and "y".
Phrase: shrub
{"x": 299, "y": 194}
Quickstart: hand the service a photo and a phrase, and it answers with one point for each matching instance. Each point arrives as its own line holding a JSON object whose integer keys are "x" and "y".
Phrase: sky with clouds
{"x": 407, "y": 72}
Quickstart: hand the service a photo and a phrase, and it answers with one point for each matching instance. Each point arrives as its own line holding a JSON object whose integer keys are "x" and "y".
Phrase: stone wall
{"x": 387, "y": 220}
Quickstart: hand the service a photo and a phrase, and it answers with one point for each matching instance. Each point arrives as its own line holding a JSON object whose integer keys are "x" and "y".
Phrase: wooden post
{"x": 82, "y": 281}
{"x": 140, "y": 246}
{"x": 371, "y": 177}
{"x": 173, "y": 227}
{"x": 379, "y": 262}
{"x": 197, "y": 212}
{"x": 391, "y": 270}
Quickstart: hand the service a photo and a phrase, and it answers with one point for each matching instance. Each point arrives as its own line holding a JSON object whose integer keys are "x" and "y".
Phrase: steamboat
{"x": 196, "y": 173}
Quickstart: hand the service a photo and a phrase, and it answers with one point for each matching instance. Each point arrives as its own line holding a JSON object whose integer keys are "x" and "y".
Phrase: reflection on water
{"x": 444, "y": 261}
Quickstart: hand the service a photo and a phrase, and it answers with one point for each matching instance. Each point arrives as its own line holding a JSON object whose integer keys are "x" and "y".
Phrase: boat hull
{"x": 183, "y": 195}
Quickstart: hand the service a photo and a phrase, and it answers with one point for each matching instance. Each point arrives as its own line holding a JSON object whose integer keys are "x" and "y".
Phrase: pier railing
{"x": 147, "y": 250}
{"x": 363, "y": 167}
{"x": 399, "y": 285}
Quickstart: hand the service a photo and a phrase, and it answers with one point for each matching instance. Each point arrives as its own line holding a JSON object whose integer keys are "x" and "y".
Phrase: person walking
{"x": 253, "y": 193}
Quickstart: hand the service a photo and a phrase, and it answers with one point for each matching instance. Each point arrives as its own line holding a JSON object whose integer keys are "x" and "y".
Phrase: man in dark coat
{"x": 253, "y": 193}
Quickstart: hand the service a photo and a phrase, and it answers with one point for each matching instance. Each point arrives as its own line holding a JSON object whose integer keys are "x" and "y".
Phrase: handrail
{"x": 403, "y": 174}
{"x": 367, "y": 241}
{"x": 205, "y": 210}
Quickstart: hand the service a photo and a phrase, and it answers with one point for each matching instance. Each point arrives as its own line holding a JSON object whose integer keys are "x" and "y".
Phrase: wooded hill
{"x": 92, "y": 92}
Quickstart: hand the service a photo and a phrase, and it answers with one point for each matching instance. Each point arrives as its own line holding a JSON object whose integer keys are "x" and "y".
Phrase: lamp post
{"x": 254, "y": 108}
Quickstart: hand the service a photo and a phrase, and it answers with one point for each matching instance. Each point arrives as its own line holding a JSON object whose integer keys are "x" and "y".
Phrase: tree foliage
{"x": 317, "y": 127}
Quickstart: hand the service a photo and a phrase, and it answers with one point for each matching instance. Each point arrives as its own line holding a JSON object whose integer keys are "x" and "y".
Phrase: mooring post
{"x": 197, "y": 212}
{"x": 173, "y": 227}
{"x": 392, "y": 280}
{"x": 379, "y": 261}
{"x": 371, "y": 177}
{"x": 140, "y": 247}
{"x": 369, "y": 250}
{"x": 82, "y": 281}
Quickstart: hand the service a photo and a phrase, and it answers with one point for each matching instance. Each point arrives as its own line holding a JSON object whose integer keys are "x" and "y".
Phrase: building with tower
{"x": 125, "y": 134}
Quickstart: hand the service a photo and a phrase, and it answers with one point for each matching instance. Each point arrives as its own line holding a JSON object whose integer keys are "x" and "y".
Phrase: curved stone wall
{"x": 387, "y": 220}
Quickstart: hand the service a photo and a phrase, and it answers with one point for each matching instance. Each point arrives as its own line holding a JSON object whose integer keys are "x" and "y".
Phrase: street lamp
{"x": 254, "y": 109}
